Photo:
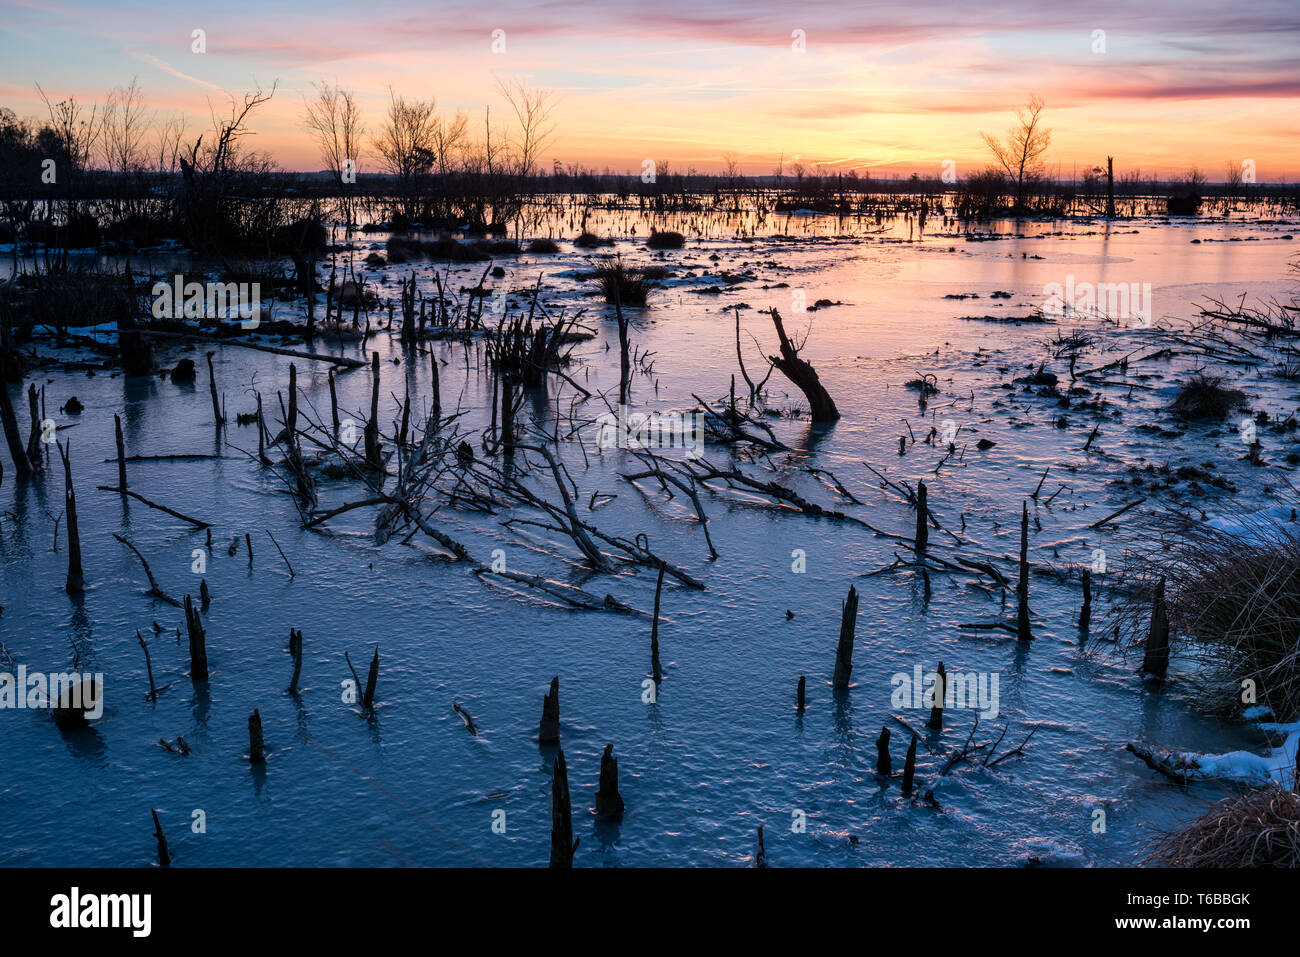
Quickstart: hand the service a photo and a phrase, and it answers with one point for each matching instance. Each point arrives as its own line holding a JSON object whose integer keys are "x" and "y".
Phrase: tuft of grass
{"x": 1257, "y": 829}
{"x": 591, "y": 241}
{"x": 623, "y": 284}
{"x": 1233, "y": 602}
{"x": 1204, "y": 397}
{"x": 543, "y": 246}
{"x": 665, "y": 240}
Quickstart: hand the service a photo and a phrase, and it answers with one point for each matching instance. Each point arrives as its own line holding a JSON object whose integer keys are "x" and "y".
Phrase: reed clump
{"x": 665, "y": 240}
{"x": 1233, "y": 602}
{"x": 1205, "y": 397}
{"x": 1257, "y": 829}
{"x": 623, "y": 284}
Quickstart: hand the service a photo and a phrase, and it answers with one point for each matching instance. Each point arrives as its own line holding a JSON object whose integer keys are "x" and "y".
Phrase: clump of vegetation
{"x": 623, "y": 284}
{"x": 1204, "y": 397}
{"x": 543, "y": 246}
{"x": 505, "y": 247}
{"x": 1232, "y": 599}
{"x": 665, "y": 240}
{"x": 591, "y": 241}
{"x": 1257, "y": 829}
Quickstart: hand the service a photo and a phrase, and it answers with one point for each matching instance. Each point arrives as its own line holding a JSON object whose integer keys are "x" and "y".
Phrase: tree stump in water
{"x": 1156, "y": 660}
{"x": 256, "y": 749}
{"x": 883, "y": 764}
{"x": 802, "y": 374}
{"x": 844, "y": 652}
{"x": 549, "y": 730}
{"x": 562, "y": 843}
{"x": 609, "y": 803}
{"x": 198, "y": 642}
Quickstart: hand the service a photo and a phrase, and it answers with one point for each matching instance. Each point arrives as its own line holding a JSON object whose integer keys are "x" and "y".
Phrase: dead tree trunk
{"x": 1085, "y": 613}
{"x": 212, "y": 391}
{"x": 936, "y": 709}
{"x": 368, "y": 699}
{"x": 884, "y": 766}
{"x": 799, "y": 697}
{"x": 1156, "y": 660}
{"x": 562, "y": 843}
{"x": 844, "y": 652}
{"x": 76, "y": 583}
{"x": 922, "y": 519}
{"x": 373, "y": 457}
{"x": 909, "y": 766}
{"x": 34, "y": 437}
{"x": 295, "y": 649}
{"x": 256, "y": 748}
{"x": 148, "y": 664}
{"x": 804, "y": 376}
{"x": 549, "y": 730}
{"x": 656, "y": 670}
{"x": 609, "y": 803}
{"x": 164, "y": 855}
{"x": 1110, "y": 187}
{"x": 121, "y": 452}
{"x": 760, "y": 852}
{"x": 1023, "y": 632}
{"x": 10, "y": 421}
{"x": 198, "y": 642}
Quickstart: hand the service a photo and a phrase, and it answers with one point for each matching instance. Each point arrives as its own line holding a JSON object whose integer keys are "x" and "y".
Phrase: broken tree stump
{"x": 368, "y": 699}
{"x": 800, "y": 699}
{"x": 212, "y": 390}
{"x": 121, "y": 452}
{"x": 1023, "y": 632}
{"x": 802, "y": 374}
{"x": 909, "y": 766}
{"x": 656, "y": 670}
{"x": 295, "y": 649}
{"x": 922, "y": 518}
{"x": 936, "y": 710}
{"x": 1085, "y": 613}
{"x": 76, "y": 583}
{"x": 35, "y": 401}
{"x": 198, "y": 642}
{"x": 884, "y": 766}
{"x": 562, "y": 843}
{"x": 164, "y": 855}
{"x": 9, "y": 419}
{"x": 256, "y": 749}
{"x": 1156, "y": 660}
{"x": 844, "y": 651}
{"x": 153, "y": 691}
{"x": 374, "y": 453}
{"x": 609, "y": 803}
{"x": 549, "y": 730}
{"x": 760, "y": 853}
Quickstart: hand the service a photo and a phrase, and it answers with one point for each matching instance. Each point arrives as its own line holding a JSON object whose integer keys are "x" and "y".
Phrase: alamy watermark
{"x": 971, "y": 690}
{"x": 210, "y": 300}
{"x": 71, "y": 691}
{"x": 1129, "y": 301}
{"x": 637, "y": 431}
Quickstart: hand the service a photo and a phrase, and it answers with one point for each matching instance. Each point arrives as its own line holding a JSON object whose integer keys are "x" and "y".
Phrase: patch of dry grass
{"x": 1257, "y": 829}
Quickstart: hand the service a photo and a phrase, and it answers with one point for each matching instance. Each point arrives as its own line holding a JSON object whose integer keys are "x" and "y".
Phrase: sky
{"x": 882, "y": 88}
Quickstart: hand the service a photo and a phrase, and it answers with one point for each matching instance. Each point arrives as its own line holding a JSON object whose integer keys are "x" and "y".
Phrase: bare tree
{"x": 1019, "y": 154}
{"x": 533, "y": 111}
{"x": 167, "y": 146}
{"x": 125, "y": 124}
{"x": 406, "y": 143}
{"x": 334, "y": 121}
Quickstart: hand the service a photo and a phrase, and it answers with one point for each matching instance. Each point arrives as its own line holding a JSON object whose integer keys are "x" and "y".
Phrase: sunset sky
{"x": 887, "y": 87}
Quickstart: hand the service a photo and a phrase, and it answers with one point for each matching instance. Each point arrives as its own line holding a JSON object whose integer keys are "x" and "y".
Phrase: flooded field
{"x": 718, "y": 748}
